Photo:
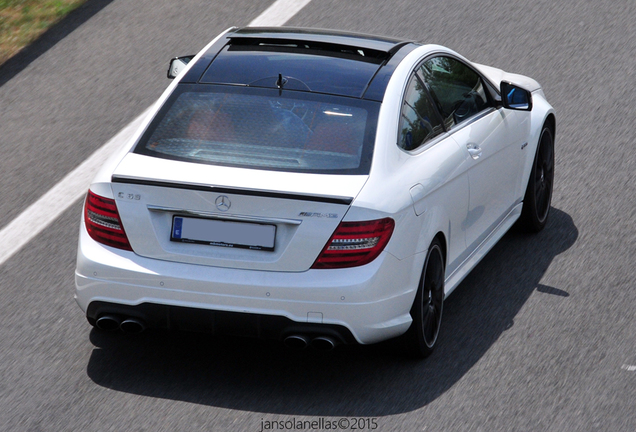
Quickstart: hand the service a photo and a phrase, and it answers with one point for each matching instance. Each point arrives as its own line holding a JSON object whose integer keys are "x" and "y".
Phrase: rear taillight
{"x": 103, "y": 223}
{"x": 355, "y": 244}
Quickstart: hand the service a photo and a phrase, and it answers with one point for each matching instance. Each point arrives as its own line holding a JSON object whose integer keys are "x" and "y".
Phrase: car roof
{"x": 299, "y": 59}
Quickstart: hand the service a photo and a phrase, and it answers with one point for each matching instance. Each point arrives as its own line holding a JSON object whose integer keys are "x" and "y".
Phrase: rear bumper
{"x": 218, "y": 322}
{"x": 367, "y": 304}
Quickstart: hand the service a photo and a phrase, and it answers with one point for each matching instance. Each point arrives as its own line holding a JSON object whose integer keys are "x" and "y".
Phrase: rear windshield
{"x": 264, "y": 129}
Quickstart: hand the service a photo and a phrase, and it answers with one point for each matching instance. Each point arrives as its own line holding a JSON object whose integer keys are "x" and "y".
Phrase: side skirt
{"x": 455, "y": 278}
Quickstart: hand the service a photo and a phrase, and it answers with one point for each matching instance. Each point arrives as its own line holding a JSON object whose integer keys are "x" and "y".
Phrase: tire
{"x": 421, "y": 337}
{"x": 538, "y": 197}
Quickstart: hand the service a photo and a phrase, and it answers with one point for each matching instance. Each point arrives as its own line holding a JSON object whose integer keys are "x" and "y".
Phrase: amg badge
{"x": 318, "y": 215}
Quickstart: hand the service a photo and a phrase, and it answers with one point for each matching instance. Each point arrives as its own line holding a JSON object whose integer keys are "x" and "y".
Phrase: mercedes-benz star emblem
{"x": 223, "y": 203}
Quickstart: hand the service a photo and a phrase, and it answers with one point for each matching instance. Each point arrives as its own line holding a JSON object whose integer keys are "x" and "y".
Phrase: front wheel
{"x": 536, "y": 203}
{"x": 426, "y": 312}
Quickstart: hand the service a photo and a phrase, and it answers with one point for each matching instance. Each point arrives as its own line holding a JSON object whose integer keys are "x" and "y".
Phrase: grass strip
{"x": 22, "y": 21}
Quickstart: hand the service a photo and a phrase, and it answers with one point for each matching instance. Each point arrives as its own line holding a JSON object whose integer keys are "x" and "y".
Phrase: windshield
{"x": 264, "y": 129}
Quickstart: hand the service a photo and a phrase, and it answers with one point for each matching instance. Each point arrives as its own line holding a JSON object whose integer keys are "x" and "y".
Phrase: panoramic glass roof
{"x": 340, "y": 71}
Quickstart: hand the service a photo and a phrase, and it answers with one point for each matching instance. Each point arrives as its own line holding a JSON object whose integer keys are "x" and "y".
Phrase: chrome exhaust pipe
{"x": 323, "y": 343}
{"x": 108, "y": 322}
{"x": 296, "y": 341}
{"x": 132, "y": 325}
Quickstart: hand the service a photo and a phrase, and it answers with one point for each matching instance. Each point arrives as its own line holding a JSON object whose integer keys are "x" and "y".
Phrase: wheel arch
{"x": 442, "y": 241}
{"x": 530, "y": 219}
{"x": 542, "y": 115}
{"x": 550, "y": 121}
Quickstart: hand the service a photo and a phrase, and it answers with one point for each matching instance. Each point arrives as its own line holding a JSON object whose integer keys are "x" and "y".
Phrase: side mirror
{"x": 514, "y": 97}
{"x": 177, "y": 64}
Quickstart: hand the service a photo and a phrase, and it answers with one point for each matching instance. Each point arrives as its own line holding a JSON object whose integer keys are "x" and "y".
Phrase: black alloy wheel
{"x": 536, "y": 203}
{"x": 428, "y": 305}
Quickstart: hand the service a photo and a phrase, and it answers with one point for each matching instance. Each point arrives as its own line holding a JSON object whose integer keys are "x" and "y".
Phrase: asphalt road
{"x": 540, "y": 337}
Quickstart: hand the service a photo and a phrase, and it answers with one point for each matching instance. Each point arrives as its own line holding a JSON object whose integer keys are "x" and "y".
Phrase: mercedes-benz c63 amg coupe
{"x": 315, "y": 187}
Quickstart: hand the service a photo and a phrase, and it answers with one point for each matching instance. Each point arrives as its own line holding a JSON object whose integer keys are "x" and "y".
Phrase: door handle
{"x": 474, "y": 150}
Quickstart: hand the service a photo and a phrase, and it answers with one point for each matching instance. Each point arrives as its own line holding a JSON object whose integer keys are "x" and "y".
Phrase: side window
{"x": 419, "y": 121}
{"x": 458, "y": 90}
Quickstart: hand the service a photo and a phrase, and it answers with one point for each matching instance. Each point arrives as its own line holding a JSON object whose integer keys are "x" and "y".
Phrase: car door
{"x": 438, "y": 181}
{"x": 489, "y": 137}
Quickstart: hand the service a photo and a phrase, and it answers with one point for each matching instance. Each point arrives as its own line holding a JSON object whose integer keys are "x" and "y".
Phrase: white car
{"x": 315, "y": 187}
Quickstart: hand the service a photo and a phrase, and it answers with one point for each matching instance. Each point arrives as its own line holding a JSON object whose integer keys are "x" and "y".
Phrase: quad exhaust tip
{"x": 132, "y": 325}
{"x": 114, "y": 322}
{"x": 321, "y": 343}
{"x": 108, "y": 322}
{"x": 296, "y": 341}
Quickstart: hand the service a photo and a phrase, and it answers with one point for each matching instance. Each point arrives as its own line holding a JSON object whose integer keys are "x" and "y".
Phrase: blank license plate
{"x": 224, "y": 233}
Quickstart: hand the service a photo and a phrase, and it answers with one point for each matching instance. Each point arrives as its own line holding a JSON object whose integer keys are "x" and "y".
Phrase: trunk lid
{"x": 230, "y": 217}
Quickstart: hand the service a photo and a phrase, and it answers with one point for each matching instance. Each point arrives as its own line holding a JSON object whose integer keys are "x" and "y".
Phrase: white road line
{"x": 630, "y": 368}
{"x": 52, "y": 204}
{"x": 279, "y": 13}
